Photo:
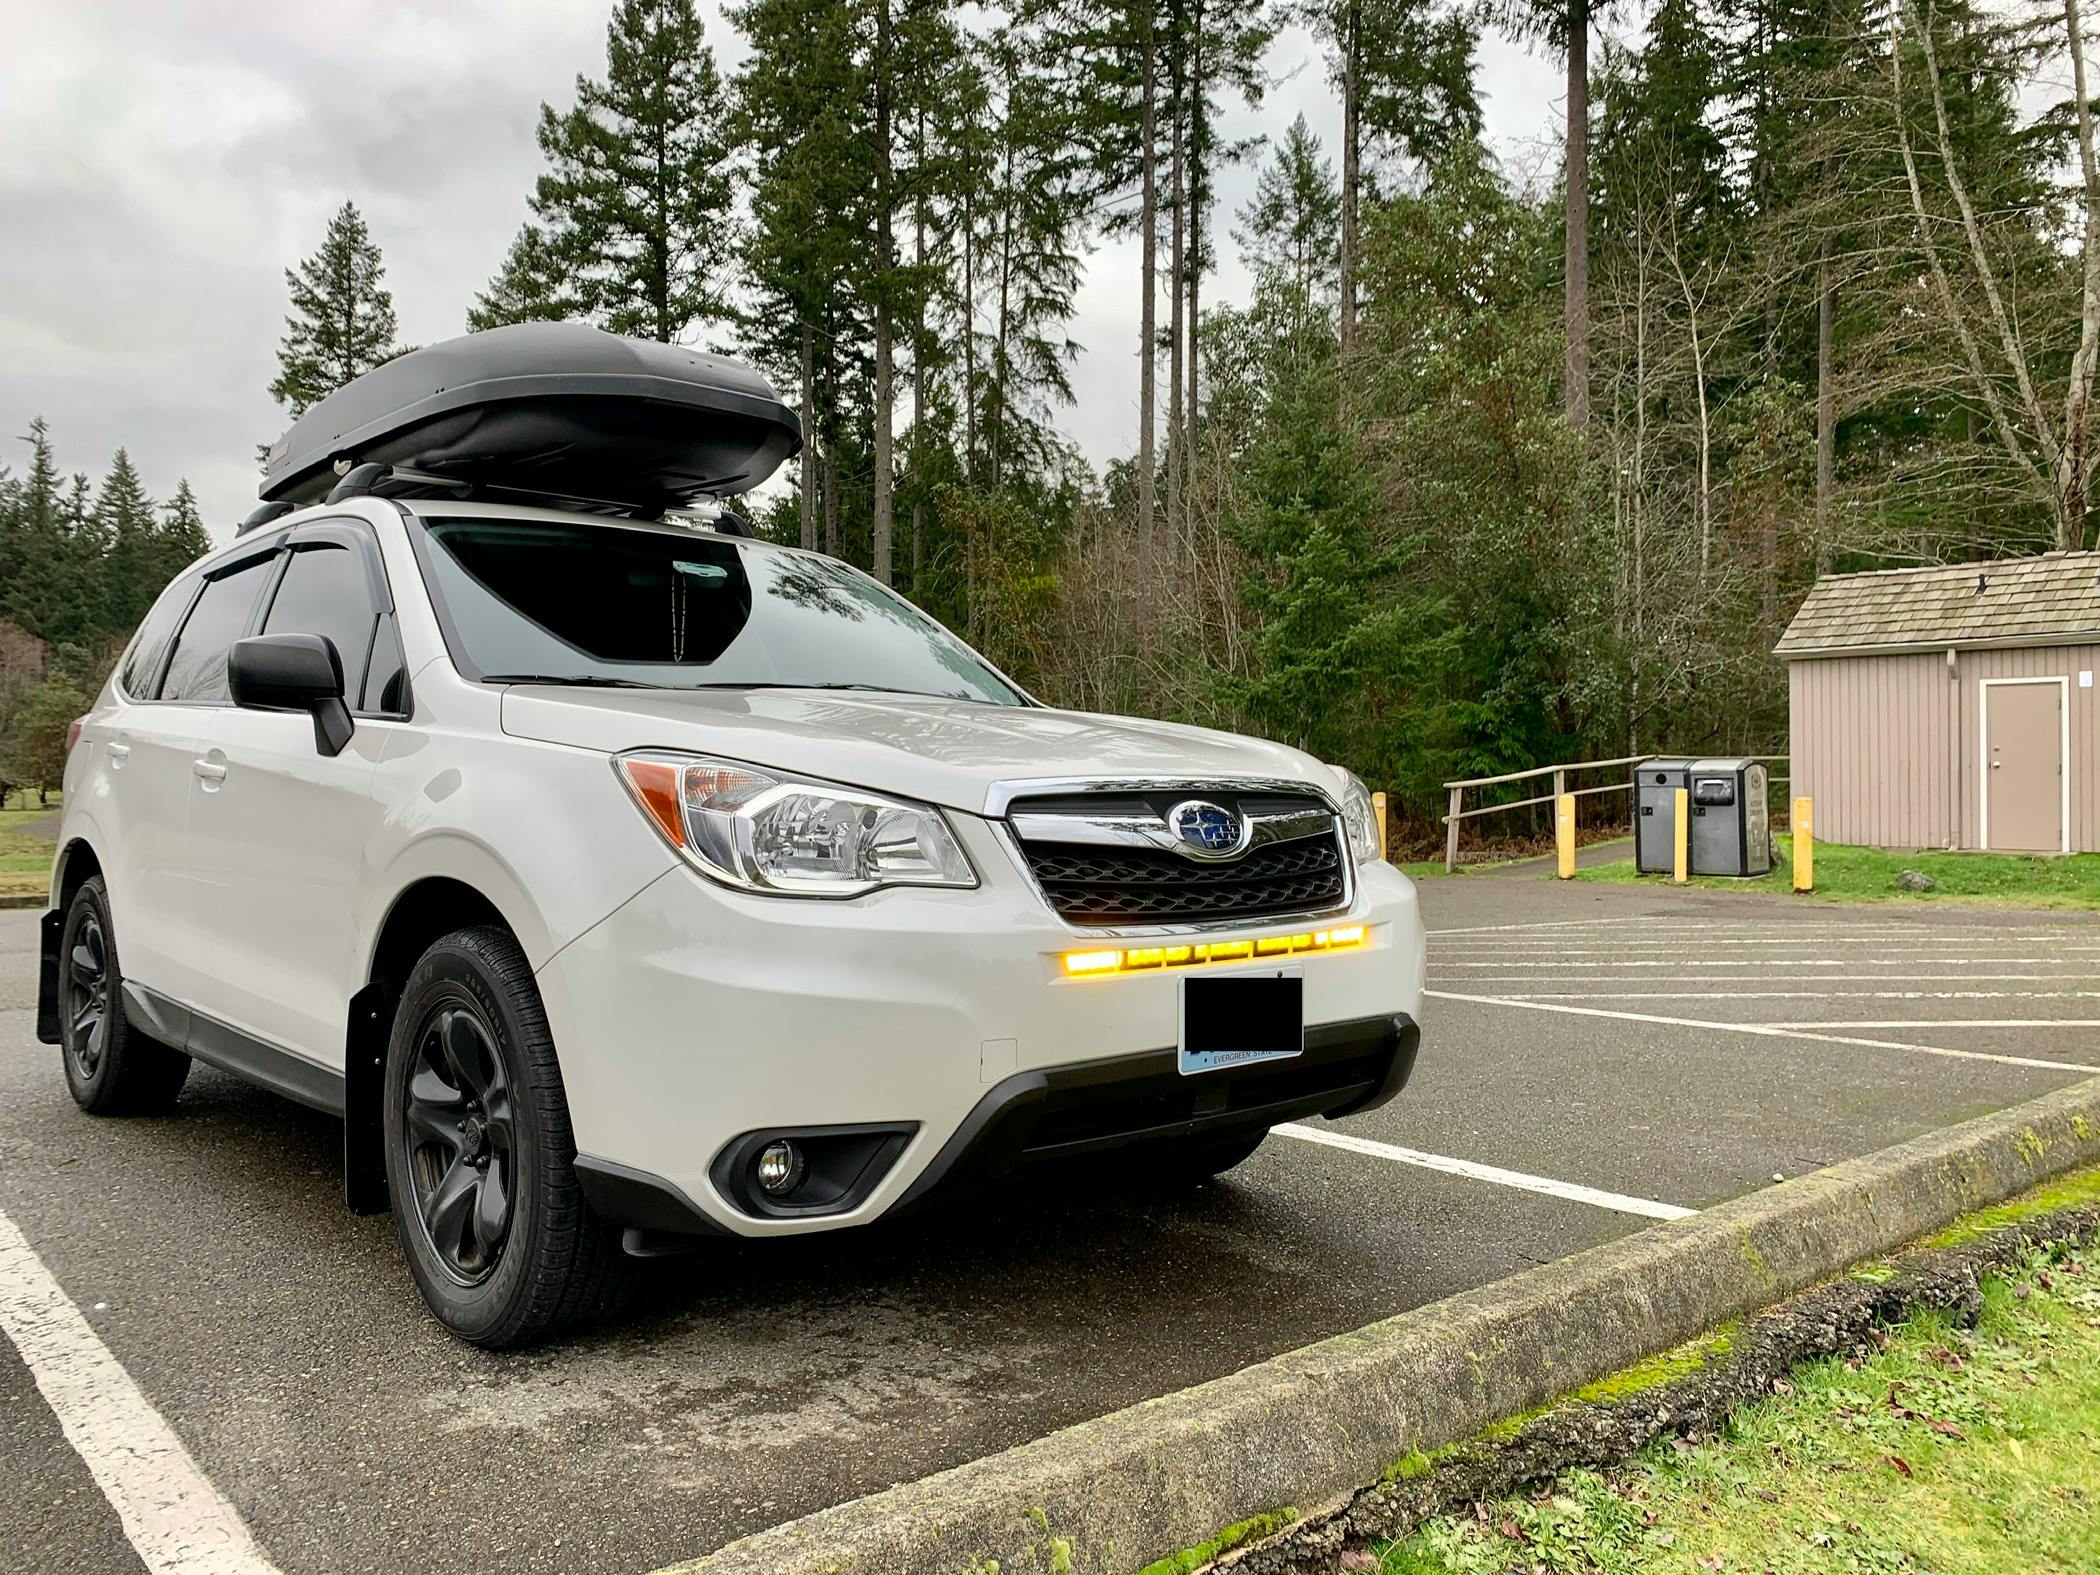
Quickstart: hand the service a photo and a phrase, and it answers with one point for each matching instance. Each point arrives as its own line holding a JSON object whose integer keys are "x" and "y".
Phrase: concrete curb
{"x": 1310, "y": 1426}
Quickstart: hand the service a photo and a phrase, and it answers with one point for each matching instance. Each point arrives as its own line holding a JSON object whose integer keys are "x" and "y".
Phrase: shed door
{"x": 2023, "y": 786}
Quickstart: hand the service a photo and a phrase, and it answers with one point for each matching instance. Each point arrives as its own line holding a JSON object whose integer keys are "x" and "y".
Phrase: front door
{"x": 278, "y": 831}
{"x": 2023, "y": 766}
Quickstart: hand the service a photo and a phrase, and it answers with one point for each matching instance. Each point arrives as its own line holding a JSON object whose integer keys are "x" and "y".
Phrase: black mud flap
{"x": 48, "y": 938}
{"x": 364, "y": 1078}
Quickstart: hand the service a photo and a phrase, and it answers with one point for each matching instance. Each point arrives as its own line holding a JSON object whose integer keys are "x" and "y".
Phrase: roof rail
{"x": 264, "y": 515}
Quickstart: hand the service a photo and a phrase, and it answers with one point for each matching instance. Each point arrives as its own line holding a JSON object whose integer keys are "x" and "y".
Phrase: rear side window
{"x": 198, "y": 671}
{"x": 324, "y": 591}
{"x": 141, "y": 670}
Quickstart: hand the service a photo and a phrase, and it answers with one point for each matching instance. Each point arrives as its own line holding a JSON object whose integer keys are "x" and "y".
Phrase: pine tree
{"x": 633, "y": 213}
{"x": 129, "y": 534}
{"x": 1404, "y": 69}
{"x": 799, "y": 113}
{"x": 342, "y": 319}
{"x": 182, "y": 538}
{"x": 1290, "y": 231}
{"x": 1564, "y": 27}
{"x": 531, "y": 287}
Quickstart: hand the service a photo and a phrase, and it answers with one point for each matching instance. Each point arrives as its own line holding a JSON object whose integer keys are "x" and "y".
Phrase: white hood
{"x": 946, "y": 752}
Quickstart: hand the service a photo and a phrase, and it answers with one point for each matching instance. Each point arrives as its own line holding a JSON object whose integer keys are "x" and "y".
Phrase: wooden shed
{"x": 1951, "y": 707}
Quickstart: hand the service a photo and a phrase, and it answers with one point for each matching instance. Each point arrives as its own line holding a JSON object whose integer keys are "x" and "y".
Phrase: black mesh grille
{"x": 1095, "y": 885}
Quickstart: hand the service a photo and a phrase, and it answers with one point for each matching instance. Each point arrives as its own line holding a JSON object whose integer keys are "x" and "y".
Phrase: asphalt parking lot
{"x": 1595, "y": 1058}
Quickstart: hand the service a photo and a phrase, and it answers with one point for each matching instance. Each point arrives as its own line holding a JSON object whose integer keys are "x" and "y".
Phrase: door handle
{"x": 118, "y": 754}
{"x": 211, "y": 772}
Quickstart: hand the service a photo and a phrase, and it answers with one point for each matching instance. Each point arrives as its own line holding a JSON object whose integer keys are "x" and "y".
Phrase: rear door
{"x": 279, "y": 832}
{"x": 138, "y": 786}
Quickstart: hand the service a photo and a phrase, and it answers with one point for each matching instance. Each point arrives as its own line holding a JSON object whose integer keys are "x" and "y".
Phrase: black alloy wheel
{"x": 461, "y": 1129}
{"x": 112, "y": 1067}
{"x": 87, "y": 997}
{"x": 480, "y": 1156}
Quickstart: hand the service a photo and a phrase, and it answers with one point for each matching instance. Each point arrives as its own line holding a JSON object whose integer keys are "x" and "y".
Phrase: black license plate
{"x": 1232, "y": 1019}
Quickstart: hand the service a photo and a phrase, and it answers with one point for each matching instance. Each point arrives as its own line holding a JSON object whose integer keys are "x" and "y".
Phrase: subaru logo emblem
{"x": 1206, "y": 830}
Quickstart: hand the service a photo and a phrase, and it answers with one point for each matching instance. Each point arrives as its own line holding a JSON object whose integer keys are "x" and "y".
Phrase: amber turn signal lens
{"x": 654, "y": 784}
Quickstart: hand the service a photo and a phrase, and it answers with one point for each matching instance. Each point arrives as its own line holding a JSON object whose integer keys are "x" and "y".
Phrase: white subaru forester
{"x": 624, "y": 881}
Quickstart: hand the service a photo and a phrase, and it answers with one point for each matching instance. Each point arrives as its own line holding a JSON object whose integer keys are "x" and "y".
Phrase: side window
{"x": 141, "y": 670}
{"x": 198, "y": 671}
{"x": 324, "y": 592}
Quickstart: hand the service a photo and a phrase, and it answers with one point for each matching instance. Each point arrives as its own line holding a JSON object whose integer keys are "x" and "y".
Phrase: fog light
{"x": 780, "y": 1168}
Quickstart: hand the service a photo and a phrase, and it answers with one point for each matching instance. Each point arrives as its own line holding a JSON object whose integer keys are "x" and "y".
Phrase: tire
{"x": 480, "y": 1155}
{"x": 112, "y": 1067}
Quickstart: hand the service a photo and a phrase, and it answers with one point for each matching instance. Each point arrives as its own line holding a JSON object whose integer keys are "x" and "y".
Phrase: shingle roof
{"x": 2021, "y": 600}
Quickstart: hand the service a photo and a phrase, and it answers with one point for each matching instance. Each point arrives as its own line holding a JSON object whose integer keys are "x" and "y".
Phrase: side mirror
{"x": 292, "y": 672}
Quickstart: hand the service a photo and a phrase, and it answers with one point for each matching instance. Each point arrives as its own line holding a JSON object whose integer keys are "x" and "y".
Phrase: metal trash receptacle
{"x": 1731, "y": 818}
{"x": 1655, "y": 785}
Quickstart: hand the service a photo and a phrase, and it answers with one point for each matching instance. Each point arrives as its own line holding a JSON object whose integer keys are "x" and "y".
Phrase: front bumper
{"x": 1065, "y": 1113}
{"x": 693, "y": 1016}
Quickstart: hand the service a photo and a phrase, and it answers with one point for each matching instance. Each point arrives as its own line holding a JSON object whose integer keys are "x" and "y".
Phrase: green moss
{"x": 1409, "y": 1466}
{"x": 1191, "y": 1559}
{"x": 2080, "y": 1187}
{"x": 1755, "y": 1260}
{"x": 1682, "y": 1362}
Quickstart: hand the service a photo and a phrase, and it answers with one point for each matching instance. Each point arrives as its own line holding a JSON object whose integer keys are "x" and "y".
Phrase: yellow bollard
{"x": 1564, "y": 833}
{"x": 1683, "y": 836}
{"x": 1378, "y": 809}
{"x": 1804, "y": 845}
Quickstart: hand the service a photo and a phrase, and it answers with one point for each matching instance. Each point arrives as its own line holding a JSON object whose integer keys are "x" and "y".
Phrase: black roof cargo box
{"x": 556, "y": 410}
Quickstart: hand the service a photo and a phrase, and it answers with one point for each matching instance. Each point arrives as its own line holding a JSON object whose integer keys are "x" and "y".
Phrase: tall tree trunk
{"x": 1002, "y": 349}
{"x": 810, "y": 442}
{"x": 918, "y": 369}
{"x": 1148, "y": 271}
{"x": 2078, "y": 396}
{"x": 1177, "y": 262}
{"x": 1350, "y": 174}
{"x": 885, "y": 268}
{"x": 1575, "y": 394}
{"x": 1199, "y": 197}
{"x": 969, "y": 332}
{"x": 1826, "y": 407}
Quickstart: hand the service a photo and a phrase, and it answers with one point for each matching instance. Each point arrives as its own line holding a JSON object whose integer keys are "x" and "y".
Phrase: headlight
{"x": 1359, "y": 816}
{"x": 760, "y": 831}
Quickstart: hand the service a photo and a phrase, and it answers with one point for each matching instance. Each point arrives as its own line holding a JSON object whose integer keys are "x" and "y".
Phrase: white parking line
{"x": 1795, "y": 995}
{"x": 1956, "y": 1022}
{"x": 173, "y": 1516}
{"x": 1618, "y": 1202}
{"x": 1877, "y": 944}
{"x": 1549, "y": 976}
{"x": 1767, "y": 1030}
{"x": 1766, "y": 962}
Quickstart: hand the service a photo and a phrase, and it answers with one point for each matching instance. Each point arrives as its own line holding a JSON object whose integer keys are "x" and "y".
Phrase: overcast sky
{"x": 163, "y": 161}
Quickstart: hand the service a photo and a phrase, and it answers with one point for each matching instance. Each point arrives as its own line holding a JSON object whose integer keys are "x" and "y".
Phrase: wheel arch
{"x": 426, "y": 908}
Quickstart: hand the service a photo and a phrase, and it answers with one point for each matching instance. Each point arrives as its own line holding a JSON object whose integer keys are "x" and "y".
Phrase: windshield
{"x": 562, "y": 603}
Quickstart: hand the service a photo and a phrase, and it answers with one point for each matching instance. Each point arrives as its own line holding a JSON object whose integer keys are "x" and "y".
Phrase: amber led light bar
{"x": 1144, "y": 959}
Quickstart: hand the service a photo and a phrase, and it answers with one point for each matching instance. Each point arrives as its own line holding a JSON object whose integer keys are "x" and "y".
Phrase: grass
{"x": 25, "y": 860}
{"x": 1848, "y": 874}
{"x": 1953, "y": 1451}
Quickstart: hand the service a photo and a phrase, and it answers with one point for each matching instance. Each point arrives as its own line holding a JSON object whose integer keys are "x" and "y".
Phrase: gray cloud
{"x": 161, "y": 164}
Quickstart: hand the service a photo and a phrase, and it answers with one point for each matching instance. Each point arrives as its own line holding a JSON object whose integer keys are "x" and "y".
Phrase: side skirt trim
{"x": 215, "y": 1043}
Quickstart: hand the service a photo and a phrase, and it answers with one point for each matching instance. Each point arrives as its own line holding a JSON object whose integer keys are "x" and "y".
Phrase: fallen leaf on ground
{"x": 1900, "y": 1464}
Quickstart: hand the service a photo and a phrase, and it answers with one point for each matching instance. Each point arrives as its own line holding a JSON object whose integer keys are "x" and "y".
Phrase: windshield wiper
{"x": 881, "y": 689}
{"x": 582, "y": 680}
